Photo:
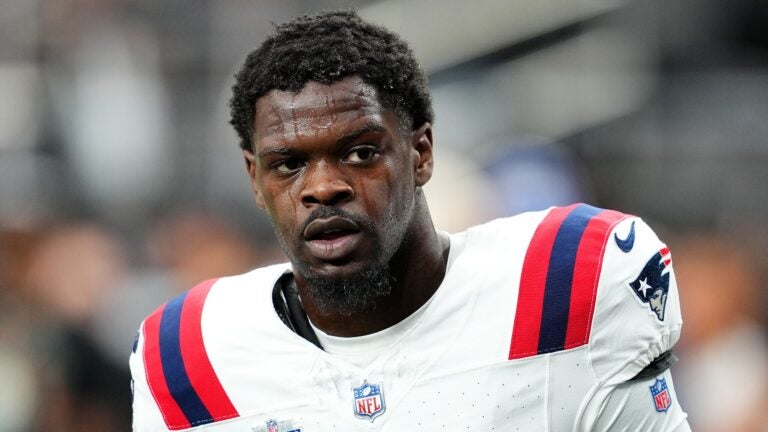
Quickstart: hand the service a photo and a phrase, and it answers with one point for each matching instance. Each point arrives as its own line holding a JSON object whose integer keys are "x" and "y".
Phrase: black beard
{"x": 351, "y": 295}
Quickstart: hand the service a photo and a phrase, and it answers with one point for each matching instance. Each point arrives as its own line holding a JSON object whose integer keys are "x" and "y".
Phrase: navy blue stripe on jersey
{"x": 176, "y": 376}
{"x": 557, "y": 292}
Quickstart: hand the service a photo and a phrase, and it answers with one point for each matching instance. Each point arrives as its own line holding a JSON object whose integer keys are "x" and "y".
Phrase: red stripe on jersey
{"x": 667, "y": 260}
{"x": 153, "y": 366}
{"x": 196, "y": 362}
{"x": 533, "y": 279}
{"x": 586, "y": 274}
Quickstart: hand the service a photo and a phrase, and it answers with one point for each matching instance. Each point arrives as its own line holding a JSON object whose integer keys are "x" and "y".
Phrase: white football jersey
{"x": 540, "y": 323}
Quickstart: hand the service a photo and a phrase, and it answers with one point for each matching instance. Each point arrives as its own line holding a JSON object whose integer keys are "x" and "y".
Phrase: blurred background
{"x": 121, "y": 183}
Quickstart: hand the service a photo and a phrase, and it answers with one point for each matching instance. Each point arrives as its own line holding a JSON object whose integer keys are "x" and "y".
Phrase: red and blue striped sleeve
{"x": 558, "y": 283}
{"x": 178, "y": 372}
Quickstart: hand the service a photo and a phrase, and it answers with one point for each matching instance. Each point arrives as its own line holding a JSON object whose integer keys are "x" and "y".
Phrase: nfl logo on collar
{"x": 660, "y": 393}
{"x": 272, "y": 426}
{"x": 368, "y": 401}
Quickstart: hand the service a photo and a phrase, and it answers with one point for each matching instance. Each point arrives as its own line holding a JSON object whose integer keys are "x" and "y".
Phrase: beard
{"x": 353, "y": 294}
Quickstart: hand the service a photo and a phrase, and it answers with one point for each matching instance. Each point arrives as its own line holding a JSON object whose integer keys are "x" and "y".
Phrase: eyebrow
{"x": 282, "y": 151}
{"x": 372, "y": 127}
{"x": 357, "y": 133}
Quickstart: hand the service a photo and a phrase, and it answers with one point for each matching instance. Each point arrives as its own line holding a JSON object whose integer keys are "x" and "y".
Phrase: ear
{"x": 423, "y": 162}
{"x": 250, "y": 166}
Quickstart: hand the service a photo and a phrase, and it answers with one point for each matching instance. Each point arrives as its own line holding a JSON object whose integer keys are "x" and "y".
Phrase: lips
{"x": 333, "y": 238}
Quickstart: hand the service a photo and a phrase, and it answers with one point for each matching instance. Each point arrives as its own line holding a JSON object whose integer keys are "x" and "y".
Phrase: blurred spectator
{"x": 723, "y": 372}
{"x": 195, "y": 246}
{"x": 72, "y": 269}
{"x": 64, "y": 281}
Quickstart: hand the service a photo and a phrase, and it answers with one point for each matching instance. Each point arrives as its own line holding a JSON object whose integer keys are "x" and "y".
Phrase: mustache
{"x": 324, "y": 212}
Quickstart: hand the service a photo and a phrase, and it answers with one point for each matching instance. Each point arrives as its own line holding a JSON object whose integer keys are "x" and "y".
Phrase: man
{"x": 541, "y": 321}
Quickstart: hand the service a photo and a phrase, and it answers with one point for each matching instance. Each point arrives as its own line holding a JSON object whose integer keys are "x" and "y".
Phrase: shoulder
{"x": 559, "y": 278}
{"x": 186, "y": 334}
{"x": 547, "y": 264}
{"x": 213, "y": 295}
{"x": 599, "y": 278}
{"x": 637, "y": 317}
{"x": 596, "y": 278}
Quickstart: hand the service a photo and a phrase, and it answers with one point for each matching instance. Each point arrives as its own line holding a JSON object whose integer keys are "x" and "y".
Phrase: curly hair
{"x": 326, "y": 48}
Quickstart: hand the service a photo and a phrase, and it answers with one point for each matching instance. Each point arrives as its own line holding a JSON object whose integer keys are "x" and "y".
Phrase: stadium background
{"x": 121, "y": 182}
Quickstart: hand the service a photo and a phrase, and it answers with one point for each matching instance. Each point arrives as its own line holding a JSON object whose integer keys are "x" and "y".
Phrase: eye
{"x": 288, "y": 166}
{"x": 361, "y": 155}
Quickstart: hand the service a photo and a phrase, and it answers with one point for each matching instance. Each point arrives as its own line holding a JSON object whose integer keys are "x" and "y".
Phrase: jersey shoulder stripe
{"x": 558, "y": 283}
{"x": 179, "y": 373}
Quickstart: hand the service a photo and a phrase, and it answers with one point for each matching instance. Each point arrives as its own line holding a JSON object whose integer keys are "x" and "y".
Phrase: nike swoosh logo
{"x": 629, "y": 242}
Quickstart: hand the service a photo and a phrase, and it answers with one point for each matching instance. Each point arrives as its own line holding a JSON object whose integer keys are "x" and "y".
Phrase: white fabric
{"x": 449, "y": 367}
{"x": 363, "y": 350}
{"x": 625, "y": 408}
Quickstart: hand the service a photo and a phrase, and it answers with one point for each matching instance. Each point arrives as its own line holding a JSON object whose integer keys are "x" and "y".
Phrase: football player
{"x": 562, "y": 319}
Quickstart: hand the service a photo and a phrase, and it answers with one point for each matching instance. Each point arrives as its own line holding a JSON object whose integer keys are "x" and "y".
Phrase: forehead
{"x": 318, "y": 109}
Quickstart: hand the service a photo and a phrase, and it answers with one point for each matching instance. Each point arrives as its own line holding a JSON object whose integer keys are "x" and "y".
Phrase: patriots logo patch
{"x": 652, "y": 285}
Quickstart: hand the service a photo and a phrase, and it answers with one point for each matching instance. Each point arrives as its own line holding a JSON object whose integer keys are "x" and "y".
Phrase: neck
{"x": 418, "y": 269}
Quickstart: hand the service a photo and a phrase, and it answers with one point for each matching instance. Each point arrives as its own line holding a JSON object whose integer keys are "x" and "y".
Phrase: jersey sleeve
{"x": 176, "y": 386}
{"x": 146, "y": 415}
{"x": 648, "y": 405}
{"x": 637, "y": 321}
{"x": 637, "y": 313}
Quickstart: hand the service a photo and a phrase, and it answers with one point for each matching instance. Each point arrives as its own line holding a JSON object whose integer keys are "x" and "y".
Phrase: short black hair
{"x": 326, "y": 48}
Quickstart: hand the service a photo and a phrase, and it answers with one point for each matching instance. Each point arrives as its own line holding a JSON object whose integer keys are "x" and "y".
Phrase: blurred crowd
{"x": 722, "y": 376}
{"x": 73, "y": 294}
{"x": 121, "y": 184}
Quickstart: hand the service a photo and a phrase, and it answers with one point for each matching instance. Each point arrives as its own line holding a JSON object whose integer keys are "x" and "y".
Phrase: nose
{"x": 327, "y": 186}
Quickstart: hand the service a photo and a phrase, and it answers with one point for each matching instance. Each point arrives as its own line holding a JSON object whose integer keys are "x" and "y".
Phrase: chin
{"x": 337, "y": 271}
{"x": 349, "y": 289}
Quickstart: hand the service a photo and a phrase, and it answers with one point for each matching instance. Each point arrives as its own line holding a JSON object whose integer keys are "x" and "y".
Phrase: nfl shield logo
{"x": 272, "y": 426}
{"x": 660, "y": 394}
{"x": 369, "y": 401}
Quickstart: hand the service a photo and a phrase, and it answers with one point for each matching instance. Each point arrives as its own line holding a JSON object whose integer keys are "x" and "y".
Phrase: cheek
{"x": 388, "y": 199}
{"x": 283, "y": 207}
{"x": 401, "y": 183}
{"x": 378, "y": 194}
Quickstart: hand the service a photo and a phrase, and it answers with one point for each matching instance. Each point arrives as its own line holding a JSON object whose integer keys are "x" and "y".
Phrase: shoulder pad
{"x": 559, "y": 279}
{"x": 178, "y": 371}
